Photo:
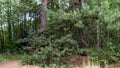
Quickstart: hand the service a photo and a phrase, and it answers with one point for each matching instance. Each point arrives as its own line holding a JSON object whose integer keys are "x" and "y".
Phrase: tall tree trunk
{"x": 81, "y": 34}
{"x": 43, "y": 14}
{"x": 3, "y": 44}
{"x": 24, "y": 24}
{"x": 12, "y": 27}
{"x": 9, "y": 22}
{"x": 2, "y": 38}
{"x": 97, "y": 30}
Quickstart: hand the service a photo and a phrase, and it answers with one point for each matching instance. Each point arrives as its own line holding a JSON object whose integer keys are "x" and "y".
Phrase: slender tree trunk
{"x": 98, "y": 36}
{"x": 43, "y": 15}
{"x": 79, "y": 35}
{"x": 3, "y": 44}
{"x": 12, "y": 28}
{"x": 81, "y": 31}
{"x": 2, "y": 38}
{"x": 24, "y": 24}
{"x": 9, "y": 22}
{"x": 98, "y": 28}
{"x": 108, "y": 35}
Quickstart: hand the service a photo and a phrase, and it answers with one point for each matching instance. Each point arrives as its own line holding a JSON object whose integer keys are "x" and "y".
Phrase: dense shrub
{"x": 50, "y": 45}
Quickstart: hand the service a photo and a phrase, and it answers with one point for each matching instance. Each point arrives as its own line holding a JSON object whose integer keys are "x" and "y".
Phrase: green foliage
{"x": 98, "y": 21}
{"x": 105, "y": 56}
{"x": 53, "y": 44}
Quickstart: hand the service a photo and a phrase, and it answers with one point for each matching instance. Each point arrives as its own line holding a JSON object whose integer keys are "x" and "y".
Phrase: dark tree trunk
{"x": 9, "y": 23}
{"x": 77, "y": 4}
{"x": 2, "y": 38}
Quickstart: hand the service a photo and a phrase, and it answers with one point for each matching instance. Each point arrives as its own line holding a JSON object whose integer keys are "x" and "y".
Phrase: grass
{"x": 9, "y": 57}
{"x": 85, "y": 64}
{"x": 90, "y": 64}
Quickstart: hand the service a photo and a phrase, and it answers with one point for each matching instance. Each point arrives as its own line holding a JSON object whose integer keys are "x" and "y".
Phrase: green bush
{"x": 50, "y": 45}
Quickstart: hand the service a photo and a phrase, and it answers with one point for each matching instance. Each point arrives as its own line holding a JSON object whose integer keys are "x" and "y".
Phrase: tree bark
{"x": 98, "y": 40}
{"x": 9, "y": 22}
{"x": 2, "y": 38}
{"x": 43, "y": 15}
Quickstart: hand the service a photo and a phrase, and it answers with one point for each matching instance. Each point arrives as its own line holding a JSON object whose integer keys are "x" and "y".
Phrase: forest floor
{"x": 77, "y": 62}
{"x": 16, "y": 64}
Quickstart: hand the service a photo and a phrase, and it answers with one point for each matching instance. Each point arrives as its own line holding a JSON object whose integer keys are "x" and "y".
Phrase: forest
{"x": 60, "y": 33}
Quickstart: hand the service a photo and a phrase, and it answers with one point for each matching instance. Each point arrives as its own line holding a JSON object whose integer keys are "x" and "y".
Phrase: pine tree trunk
{"x": 43, "y": 15}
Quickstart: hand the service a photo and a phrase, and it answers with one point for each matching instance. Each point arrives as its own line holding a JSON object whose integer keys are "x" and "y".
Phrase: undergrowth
{"x": 9, "y": 57}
